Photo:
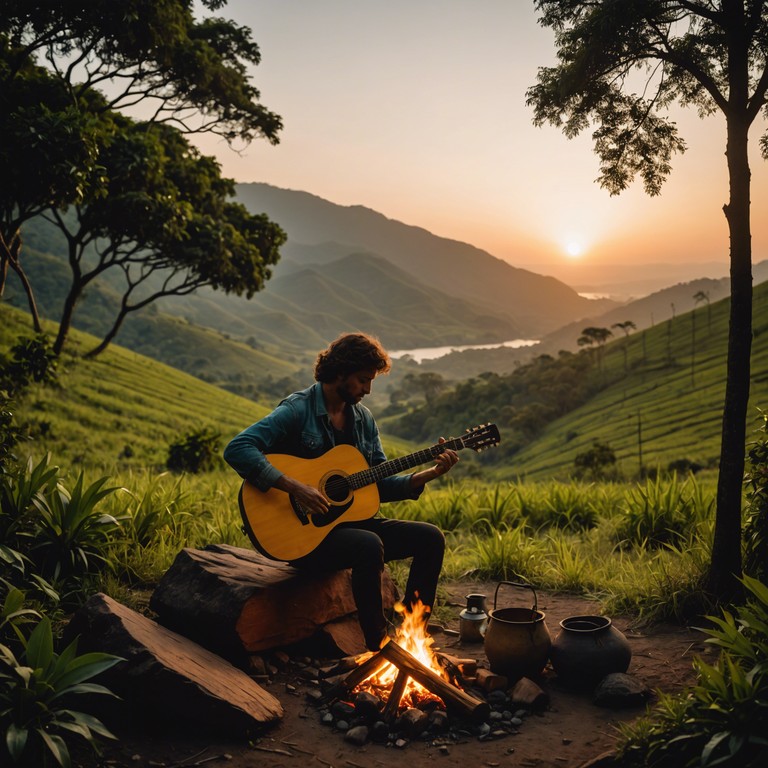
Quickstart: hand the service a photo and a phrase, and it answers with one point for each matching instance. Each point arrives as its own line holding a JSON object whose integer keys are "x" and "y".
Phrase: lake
{"x": 432, "y": 353}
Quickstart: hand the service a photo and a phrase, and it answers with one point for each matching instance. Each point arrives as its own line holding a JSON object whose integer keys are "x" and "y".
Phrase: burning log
{"x": 409, "y": 666}
{"x": 453, "y": 697}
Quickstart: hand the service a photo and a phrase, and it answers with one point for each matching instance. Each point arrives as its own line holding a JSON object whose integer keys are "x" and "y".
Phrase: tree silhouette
{"x": 709, "y": 55}
{"x": 150, "y": 54}
{"x": 626, "y": 326}
{"x": 595, "y": 336}
{"x": 700, "y": 296}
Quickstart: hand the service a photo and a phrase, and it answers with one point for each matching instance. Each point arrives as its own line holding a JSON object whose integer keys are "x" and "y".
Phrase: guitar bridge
{"x": 298, "y": 510}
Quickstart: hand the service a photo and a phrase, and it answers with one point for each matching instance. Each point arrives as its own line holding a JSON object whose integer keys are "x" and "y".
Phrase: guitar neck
{"x": 394, "y": 466}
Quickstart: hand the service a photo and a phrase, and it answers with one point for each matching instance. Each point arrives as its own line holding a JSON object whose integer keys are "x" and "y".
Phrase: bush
{"x": 756, "y": 526}
{"x": 37, "y": 690}
{"x": 198, "y": 451}
{"x": 596, "y": 463}
{"x": 723, "y": 720}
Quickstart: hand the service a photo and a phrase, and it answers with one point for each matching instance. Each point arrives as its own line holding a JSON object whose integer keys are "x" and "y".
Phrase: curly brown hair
{"x": 349, "y": 353}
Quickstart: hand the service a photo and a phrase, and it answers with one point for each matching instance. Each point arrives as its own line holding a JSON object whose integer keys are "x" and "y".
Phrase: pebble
{"x": 357, "y": 735}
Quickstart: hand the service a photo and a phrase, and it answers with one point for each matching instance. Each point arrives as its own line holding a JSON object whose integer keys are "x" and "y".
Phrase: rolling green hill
{"x": 122, "y": 410}
{"x": 243, "y": 366}
{"x": 662, "y": 396}
{"x": 666, "y": 404}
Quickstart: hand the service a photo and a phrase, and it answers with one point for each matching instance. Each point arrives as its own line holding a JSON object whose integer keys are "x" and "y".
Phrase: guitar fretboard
{"x": 393, "y": 466}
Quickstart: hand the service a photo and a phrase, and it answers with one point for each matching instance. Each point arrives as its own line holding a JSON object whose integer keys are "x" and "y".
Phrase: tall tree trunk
{"x": 726, "y": 564}
{"x": 3, "y": 271}
{"x": 75, "y": 290}
{"x": 65, "y": 323}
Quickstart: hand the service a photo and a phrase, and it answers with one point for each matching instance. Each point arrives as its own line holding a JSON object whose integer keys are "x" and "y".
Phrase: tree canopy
{"x": 74, "y": 78}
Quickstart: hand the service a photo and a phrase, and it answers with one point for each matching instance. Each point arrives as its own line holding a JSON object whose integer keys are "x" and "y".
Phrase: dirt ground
{"x": 571, "y": 732}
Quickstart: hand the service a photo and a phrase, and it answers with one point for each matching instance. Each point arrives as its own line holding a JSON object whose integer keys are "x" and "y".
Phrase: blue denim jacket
{"x": 300, "y": 426}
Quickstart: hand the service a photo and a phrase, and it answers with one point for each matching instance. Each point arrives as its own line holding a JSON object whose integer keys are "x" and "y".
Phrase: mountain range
{"x": 346, "y": 268}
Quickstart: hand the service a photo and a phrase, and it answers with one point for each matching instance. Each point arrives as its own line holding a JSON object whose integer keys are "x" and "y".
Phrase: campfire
{"x": 406, "y": 673}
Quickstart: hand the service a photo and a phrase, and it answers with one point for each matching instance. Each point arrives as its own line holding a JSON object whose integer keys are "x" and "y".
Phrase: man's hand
{"x": 445, "y": 460}
{"x": 310, "y": 499}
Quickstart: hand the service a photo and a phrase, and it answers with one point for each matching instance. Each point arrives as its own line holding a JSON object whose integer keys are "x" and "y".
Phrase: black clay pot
{"x": 588, "y": 648}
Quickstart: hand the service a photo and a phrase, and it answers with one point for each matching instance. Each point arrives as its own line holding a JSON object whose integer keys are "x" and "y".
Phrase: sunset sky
{"x": 416, "y": 109}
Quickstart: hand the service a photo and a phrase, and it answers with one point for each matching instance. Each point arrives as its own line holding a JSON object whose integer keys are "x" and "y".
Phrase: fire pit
{"x": 407, "y": 690}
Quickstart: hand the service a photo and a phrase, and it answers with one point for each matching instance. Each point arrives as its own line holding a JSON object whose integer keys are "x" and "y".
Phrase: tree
{"x": 590, "y": 336}
{"x": 626, "y": 326}
{"x": 700, "y": 296}
{"x": 148, "y": 54}
{"x": 46, "y": 157}
{"x": 709, "y": 55}
{"x": 165, "y": 225}
{"x": 430, "y": 384}
{"x": 596, "y": 463}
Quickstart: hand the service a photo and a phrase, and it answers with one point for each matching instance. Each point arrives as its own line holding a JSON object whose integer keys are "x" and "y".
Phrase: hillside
{"x": 121, "y": 410}
{"x": 304, "y": 306}
{"x": 660, "y": 399}
{"x": 245, "y": 365}
{"x": 665, "y": 400}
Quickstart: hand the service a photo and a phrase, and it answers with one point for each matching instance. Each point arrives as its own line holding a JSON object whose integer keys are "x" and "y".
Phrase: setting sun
{"x": 574, "y": 249}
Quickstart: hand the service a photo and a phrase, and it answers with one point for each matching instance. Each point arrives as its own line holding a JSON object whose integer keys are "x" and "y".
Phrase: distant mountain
{"x": 304, "y": 306}
{"x": 320, "y": 232}
{"x": 650, "y": 310}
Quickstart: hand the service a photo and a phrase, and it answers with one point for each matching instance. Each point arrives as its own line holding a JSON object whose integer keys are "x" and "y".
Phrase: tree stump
{"x": 237, "y": 602}
{"x": 166, "y": 679}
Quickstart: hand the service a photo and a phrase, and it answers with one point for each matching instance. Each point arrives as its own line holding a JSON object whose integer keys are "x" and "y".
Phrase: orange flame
{"x": 413, "y": 637}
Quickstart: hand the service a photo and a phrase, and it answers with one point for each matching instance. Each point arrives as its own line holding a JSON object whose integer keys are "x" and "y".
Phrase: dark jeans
{"x": 364, "y": 547}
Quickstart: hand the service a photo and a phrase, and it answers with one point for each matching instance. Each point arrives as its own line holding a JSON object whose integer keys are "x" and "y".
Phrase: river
{"x": 432, "y": 353}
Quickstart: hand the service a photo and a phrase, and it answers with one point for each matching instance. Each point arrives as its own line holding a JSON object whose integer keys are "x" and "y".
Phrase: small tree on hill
{"x": 596, "y": 463}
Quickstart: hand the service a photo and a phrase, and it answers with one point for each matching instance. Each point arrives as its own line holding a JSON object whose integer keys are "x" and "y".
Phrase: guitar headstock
{"x": 481, "y": 437}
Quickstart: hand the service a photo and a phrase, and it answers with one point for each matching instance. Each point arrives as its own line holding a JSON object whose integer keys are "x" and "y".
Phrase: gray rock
{"x": 620, "y": 690}
{"x": 357, "y": 735}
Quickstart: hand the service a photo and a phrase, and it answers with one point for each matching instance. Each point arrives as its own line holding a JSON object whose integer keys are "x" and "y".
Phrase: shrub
{"x": 756, "y": 525}
{"x": 657, "y": 513}
{"x": 32, "y": 360}
{"x": 596, "y": 463}
{"x": 197, "y": 451}
{"x": 70, "y": 534}
{"x": 723, "y": 719}
{"x": 37, "y": 690}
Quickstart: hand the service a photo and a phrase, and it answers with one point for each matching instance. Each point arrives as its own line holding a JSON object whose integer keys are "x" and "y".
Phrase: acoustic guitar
{"x": 281, "y": 529}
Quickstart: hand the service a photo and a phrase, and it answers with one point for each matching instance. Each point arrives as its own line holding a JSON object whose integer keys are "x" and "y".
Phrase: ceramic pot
{"x": 588, "y": 648}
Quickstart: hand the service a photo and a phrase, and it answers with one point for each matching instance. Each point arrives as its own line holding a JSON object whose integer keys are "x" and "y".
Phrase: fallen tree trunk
{"x": 237, "y": 602}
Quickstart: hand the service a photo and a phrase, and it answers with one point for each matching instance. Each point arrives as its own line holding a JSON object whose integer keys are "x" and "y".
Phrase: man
{"x": 307, "y": 424}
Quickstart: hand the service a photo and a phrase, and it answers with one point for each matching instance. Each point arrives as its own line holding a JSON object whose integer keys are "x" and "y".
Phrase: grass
{"x": 117, "y": 415}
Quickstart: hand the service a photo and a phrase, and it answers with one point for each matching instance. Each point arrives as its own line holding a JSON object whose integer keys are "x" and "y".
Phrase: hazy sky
{"x": 416, "y": 108}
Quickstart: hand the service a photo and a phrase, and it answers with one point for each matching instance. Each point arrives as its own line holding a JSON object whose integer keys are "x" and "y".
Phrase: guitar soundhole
{"x": 337, "y": 488}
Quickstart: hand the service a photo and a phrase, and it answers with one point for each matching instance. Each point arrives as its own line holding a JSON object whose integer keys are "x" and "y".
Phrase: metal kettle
{"x": 473, "y": 620}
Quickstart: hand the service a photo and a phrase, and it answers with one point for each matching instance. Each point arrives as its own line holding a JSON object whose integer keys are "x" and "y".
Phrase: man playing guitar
{"x": 309, "y": 424}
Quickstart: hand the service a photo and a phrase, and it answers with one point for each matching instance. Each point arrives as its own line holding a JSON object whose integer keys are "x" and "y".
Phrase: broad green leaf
{"x": 16, "y": 740}
{"x": 40, "y": 645}
{"x": 57, "y": 746}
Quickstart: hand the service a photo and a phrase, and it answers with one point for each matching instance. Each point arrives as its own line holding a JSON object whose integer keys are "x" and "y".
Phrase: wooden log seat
{"x": 236, "y": 602}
